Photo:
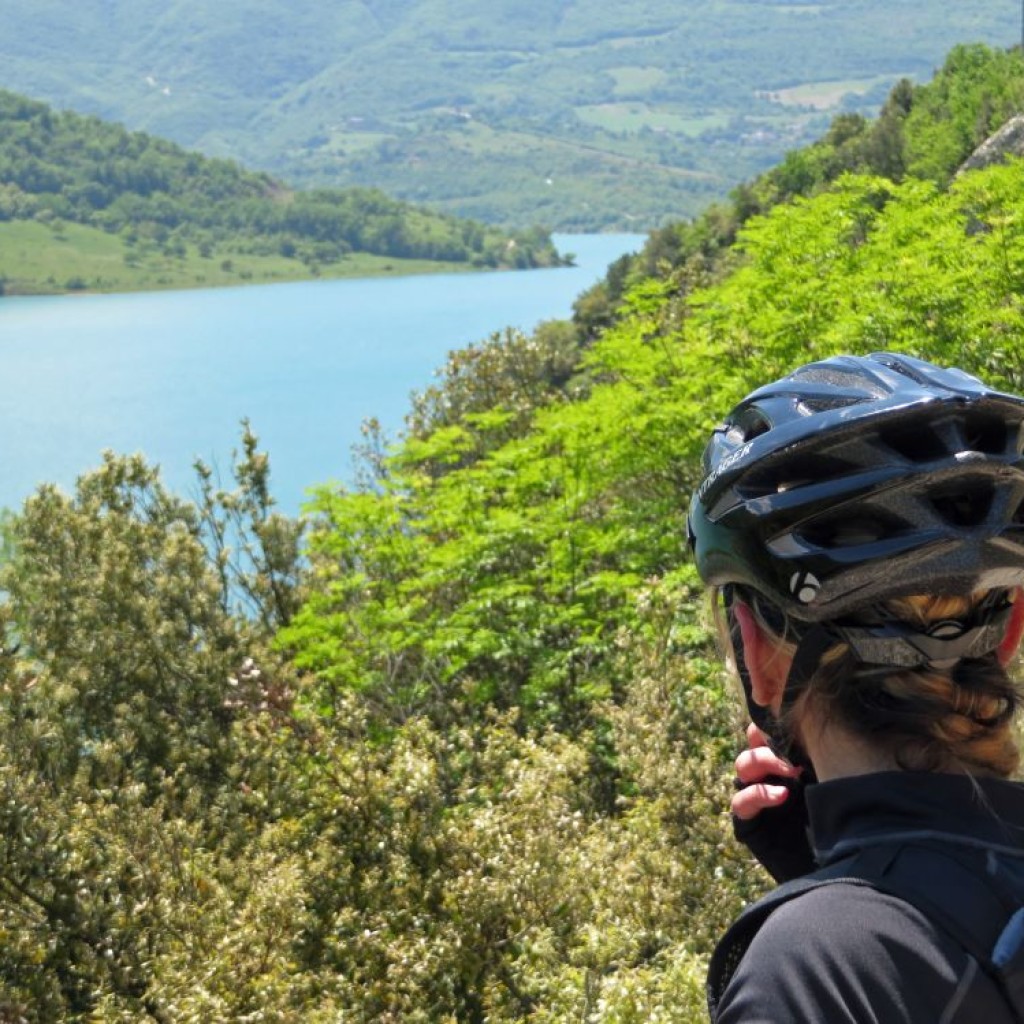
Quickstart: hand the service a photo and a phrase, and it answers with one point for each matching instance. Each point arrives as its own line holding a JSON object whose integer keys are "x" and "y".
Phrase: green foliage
{"x": 499, "y": 383}
{"x": 495, "y": 569}
{"x": 318, "y": 869}
{"x": 34, "y": 260}
{"x": 133, "y": 697}
{"x": 484, "y": 875}
{"x": 6, "y": 536}
{"x": 122, "y": 600}
{"x": 160, "y": 199}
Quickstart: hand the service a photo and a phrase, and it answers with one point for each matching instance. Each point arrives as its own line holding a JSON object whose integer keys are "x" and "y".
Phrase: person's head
{"x": 863, "y": 521}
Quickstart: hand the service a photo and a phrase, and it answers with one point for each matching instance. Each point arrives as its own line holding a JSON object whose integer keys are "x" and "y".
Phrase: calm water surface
{"x": 171, "y": 374}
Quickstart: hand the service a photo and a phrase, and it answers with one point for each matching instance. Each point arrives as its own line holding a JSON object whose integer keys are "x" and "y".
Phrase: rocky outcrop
{"x": 1008, "y": 141}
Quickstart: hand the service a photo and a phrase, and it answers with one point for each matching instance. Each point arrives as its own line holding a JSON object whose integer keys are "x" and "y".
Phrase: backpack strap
{"x": 969, "y": 893}
{"x": 1008, "y": 959}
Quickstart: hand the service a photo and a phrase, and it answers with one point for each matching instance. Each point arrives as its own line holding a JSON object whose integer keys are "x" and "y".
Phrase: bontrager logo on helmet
{"x": 725, "y": 464}
{"x": 805, "y": 585}
{"x": 860, "y": 478}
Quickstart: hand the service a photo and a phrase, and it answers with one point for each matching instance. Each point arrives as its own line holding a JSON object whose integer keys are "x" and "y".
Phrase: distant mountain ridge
{"x": 574, "y": 112}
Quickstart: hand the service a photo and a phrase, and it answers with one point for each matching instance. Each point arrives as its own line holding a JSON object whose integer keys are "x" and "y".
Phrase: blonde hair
{"x": 926, "y": 718}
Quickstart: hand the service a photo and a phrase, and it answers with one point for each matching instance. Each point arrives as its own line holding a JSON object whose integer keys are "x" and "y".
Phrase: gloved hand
{"x": 768, "y": 810}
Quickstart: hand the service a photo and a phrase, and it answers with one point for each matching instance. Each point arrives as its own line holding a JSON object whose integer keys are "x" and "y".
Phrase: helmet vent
{"x": 914, "y": 441}
{"x": 810, "y": 406}
{"x": 752, "y": 425}
{"x": 965, "y": 506}
{"x": 985, "y": 434}
{"x": 851, "y": 530}
{"x": 792, "y": 473}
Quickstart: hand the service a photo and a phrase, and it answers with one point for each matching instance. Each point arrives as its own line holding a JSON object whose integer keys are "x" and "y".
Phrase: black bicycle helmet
{"x": 857, "y": 479}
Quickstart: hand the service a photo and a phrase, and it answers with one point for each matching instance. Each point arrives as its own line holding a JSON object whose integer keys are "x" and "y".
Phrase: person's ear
{"x": 762, "y": 660}
{"x": 1014, "y": 631}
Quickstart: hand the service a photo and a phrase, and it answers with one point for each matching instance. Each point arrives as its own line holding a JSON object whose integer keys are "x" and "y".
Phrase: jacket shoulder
{"x": 844, "y": 952}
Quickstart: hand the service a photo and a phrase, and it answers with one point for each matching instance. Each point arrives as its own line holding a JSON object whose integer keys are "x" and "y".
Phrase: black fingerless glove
{"x": 778, "y": 836}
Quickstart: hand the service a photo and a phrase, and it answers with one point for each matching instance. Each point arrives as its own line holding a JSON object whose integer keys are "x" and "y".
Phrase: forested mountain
{"x": 139, "y": 203}
{"x": 574, "y": 113}
{"x": 460, "y": 748}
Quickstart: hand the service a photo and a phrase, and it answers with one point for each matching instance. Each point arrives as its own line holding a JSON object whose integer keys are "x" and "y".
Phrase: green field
{"x": 827, "y": 95}
{"x": 635, "y": 117}
{"x": 632, "y": 80}
{"x": 38, "y": 258}
{"x": 346, "y": 140}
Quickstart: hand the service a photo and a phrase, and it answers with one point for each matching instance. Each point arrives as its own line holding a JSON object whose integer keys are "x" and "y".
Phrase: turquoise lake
{"x": 172, "y": 374}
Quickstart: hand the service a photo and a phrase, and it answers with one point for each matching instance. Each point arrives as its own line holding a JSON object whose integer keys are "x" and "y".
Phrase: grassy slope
{"x": 160, "y": 216}
{"x": 295, "y": 88}
{"x": 40, "y": 259}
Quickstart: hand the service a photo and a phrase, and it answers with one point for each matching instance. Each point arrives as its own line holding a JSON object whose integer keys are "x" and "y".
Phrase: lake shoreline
{"x": 391, "y": 271}
{"x": 118, "y": 270}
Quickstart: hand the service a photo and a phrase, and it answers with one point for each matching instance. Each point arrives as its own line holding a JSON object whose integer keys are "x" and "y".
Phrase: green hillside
{"x": 577, "y": 114}
{"x": 924, "y": 131}
{"x": 460, "y": 746}
{"x": 84, "y": 204}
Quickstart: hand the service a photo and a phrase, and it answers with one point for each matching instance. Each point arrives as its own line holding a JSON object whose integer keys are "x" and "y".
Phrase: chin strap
{"x": 810, "y": 649}
{"x": 758, "y": 715}
{"x": 805, "y": 663}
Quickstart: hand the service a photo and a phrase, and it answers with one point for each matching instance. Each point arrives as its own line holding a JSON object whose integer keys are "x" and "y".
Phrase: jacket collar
{"x": 850, "y": 813}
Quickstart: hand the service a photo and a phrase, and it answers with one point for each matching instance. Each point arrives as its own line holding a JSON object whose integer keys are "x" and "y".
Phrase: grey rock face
{"x": 1008, "y": 141}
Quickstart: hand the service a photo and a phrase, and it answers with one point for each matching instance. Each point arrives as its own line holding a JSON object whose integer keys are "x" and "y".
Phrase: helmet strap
{"x": 759, "y": 714}
{"x": 810, "y": 649}
{"x": 804, "y": 667}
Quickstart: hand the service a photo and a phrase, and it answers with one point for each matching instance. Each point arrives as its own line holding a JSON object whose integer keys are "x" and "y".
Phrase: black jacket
{"x": 848, "y": 954}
